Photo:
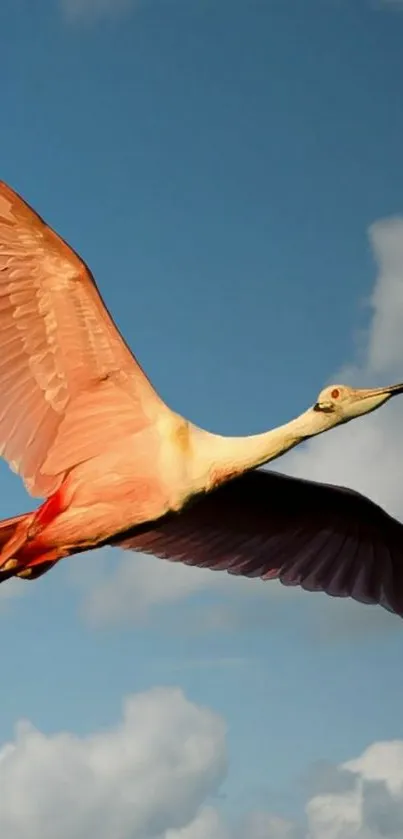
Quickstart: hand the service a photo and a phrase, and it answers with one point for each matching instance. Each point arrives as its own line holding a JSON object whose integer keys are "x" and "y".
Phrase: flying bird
{"x": 82, "y": 425}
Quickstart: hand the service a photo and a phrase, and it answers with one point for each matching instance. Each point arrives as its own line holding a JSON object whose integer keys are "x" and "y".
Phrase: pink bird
{"x": 85, "y": 429}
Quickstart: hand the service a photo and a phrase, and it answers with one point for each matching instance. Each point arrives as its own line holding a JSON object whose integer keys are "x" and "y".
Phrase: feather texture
{"x": 62, "y": 358}
{"x": 264, "y": 524}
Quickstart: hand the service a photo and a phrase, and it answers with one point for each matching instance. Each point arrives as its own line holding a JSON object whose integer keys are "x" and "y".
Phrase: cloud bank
{"x": 145, "y": 778}
{"x": 152, "y": 774}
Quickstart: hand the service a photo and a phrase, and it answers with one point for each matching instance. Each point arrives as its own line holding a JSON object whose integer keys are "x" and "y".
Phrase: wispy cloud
{"x": 91, "y": 10}
{"x": 195, "y": 663}
{"x": 137, "y": 589}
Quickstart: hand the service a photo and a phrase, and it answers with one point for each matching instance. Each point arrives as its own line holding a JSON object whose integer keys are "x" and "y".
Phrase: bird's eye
{"x": 335, "y": 393}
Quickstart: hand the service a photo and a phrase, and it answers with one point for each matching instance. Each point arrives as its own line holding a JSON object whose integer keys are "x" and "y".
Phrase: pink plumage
{"x": 83, "y": 426}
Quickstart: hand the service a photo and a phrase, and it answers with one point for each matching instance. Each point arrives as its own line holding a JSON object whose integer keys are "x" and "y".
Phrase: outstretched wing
{"x": 68, "y": 382}
{"x": 264, "y": 524}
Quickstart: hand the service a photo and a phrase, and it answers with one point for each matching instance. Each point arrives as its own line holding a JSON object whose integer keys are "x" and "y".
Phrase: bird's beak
{"x": 366, "y": 400}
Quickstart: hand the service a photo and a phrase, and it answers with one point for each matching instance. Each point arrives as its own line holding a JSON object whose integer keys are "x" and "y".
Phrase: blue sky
{"x": 219, "y": 166}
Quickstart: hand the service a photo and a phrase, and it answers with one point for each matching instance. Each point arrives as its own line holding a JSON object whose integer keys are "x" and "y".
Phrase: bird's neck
{"x": 226, "y": 457}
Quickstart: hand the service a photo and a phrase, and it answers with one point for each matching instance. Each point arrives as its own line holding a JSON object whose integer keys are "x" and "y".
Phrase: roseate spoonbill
{"x": 83, "y": 426}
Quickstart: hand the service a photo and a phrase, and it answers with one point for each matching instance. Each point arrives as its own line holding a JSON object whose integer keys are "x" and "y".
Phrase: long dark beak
{"x": 390, "y": 390}
{"x": 393, "y": 389}
{"x": 365, "y": 400}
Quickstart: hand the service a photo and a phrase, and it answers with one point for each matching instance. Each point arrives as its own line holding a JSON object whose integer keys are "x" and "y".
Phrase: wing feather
{"x": 58, "y": 342}
{"x": 320, "y": 537}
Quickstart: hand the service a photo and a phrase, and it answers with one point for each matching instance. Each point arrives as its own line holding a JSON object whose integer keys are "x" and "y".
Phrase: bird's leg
{"x": 19, "y": 537}
{"x": 36, "y": 564}
{"x": 30, "y": 564}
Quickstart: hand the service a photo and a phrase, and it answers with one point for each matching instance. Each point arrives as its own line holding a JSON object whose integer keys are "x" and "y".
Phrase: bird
{"x": 113, "y": 464}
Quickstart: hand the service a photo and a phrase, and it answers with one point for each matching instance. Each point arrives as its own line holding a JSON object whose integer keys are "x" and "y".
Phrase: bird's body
{"x": 135, "y": 480}
{"x": 85, "y": 429}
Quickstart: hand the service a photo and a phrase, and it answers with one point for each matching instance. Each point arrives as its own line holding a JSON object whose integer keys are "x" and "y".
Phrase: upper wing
{"x": 68, "y": 382}
{"x": 264, "y": 524}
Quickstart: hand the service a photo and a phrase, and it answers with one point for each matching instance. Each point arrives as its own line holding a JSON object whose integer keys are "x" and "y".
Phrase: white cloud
{"x": 145, "y": 778}
{"x": 90, "y": 10}
{"x": 366, "y": 455}
{"x": 386, "y": 339}
{"x": 372, "y": 808}
{"x": 151, "y": 776}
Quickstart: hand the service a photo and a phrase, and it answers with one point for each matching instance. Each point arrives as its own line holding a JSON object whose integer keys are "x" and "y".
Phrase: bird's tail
{"x": 18, "y": 557}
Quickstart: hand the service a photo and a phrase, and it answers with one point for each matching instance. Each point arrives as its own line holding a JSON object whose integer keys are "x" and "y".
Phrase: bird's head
{"x": 341, "y": 403}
